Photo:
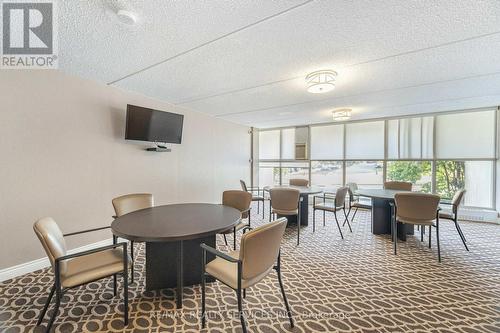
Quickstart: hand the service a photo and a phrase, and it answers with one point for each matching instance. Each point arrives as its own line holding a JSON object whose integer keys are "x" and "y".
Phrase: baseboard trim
{"x": 31, "y": 266}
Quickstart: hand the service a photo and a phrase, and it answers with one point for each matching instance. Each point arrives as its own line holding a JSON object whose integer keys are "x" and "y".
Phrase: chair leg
{"x": 461, "y": 235}
{"x": 324, "y": 218}
{"x": 421, "y": 233}
{"x": 437, "y": 239}
{"x": 244, "y": 293}
{"x": 240, "y": 311}
{"x": 258, "y": 206}
{"x": 132, "y": 263}
{"x": 203, "y": 286}
{"x": 234, "y": 239}
{"x": 263, "y": 208}
{"x": 225, "y": 239}
{"x": 56, "y": 309}
{"x": 288, "y": 312}
{"x": 355, "y": 211}
{"x": 395, "y": 234}
{"x": 125, "y": 298}
{"x": 298, "y": 226}
{"x": 338, "y": 225}
{"x": 314, "y": 220}
{"x": 346, "y": 220}
{"x": 430, "y": 233}
{"x": 114, "y": 285}
{"x": 46, "y": 306}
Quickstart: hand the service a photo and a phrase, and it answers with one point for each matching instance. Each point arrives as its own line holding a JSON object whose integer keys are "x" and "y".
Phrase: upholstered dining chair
{"x": 241, "y": 200}
{"x": 399, "y": 186}
{"x": 453, "y": 215}
{"x": 73, "y": 270}
{"x": 130, "y": 203}
{"x": 418, "y": 209}
{"x": 255, "y": 197}
{"x": 354, "y": 201}
{"x": 338, "y": 203}
{"x": 285, "y": 202}
{"x": 298, "y": 182}
{"x": 259, "y": 254}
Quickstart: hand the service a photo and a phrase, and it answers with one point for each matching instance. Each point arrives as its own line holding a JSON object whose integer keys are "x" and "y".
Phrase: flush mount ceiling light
{"x": 321, "y": 81}
{"x": 341, "y": 115}
{"x": 127, "y": 17}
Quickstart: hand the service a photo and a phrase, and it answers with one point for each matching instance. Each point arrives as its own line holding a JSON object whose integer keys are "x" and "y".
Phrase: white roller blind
{"x": 410, "y": 138}
{"x": 393, "y": 139}
{"x": 327, "y": 142}
{"x": 466, "y": 135}
{"x": 365, "y": 140}
{"x": 288, "y": 144}
{"x": 269, "y": 144}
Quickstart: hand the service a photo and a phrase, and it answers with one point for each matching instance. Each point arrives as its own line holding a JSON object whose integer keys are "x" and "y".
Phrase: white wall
{"x": 63, "y": 154}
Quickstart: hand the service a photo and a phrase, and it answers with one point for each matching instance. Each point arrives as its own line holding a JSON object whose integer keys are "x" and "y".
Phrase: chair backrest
{"x": 353, "y": 187}
{"x": 401, "y": 186}
{"x": 260, "y": 247}
{"x": 416, "y": 206}
{"x": 340, "y": 195}
{"x": 52, "y": 239}
{"x": 299, "y": 182}
{"x": 132, "y": 202}
{"x": 284, "y": 198}
{"x": 457, "y": 199}
{"x": 241, "y": 200}
{"x": 243, "y": 185}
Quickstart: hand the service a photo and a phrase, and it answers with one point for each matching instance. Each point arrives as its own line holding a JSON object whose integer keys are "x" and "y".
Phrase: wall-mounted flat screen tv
{"x": 145, "y": 124}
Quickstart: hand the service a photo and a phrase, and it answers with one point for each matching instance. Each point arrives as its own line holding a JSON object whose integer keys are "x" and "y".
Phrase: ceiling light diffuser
{"x": 321, "y": 81}
{"x": 341, "y": 115}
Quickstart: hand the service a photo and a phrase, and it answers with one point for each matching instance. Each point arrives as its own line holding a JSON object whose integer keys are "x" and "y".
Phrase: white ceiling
{"x": 245, "y": 61}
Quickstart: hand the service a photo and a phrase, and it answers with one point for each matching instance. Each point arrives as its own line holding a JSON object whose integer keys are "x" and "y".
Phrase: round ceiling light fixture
{"x": 321, "y": 81}
{"x": 127, "y": 17}
{"x": 341, "y": 114}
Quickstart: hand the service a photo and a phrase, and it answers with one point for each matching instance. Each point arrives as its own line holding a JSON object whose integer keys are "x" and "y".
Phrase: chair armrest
{"x": 91, "y": 251}
{"x": 218, "y": 253}
{"x": 85, "y": 231}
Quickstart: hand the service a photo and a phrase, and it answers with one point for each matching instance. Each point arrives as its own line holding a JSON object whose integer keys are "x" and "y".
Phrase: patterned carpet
{"x": 333, "y": 285}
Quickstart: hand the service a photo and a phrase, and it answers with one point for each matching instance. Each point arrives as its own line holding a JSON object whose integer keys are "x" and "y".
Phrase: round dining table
{"x": 305, "y": 191}
{"x": 382, "y": 213}
{"x": 173, "y": 234}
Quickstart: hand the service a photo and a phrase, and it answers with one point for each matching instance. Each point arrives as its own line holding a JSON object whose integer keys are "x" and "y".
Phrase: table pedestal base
{"x": 162, "y": 259}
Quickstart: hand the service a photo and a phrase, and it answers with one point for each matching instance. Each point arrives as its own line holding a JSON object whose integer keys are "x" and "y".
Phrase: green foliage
{"x": 450, "y": 177}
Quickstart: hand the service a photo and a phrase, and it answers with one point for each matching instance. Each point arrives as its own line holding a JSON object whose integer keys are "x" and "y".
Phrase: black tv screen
{"x": 145, "y": 124}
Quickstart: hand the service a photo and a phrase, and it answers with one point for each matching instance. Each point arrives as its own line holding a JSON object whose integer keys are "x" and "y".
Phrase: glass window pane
{"x": 367, "y": 174}
{"x": 419, "y": 173}
{"x": 327, "y": 142}
{"x": 466, "y": 135}
{"x": 293, "y": 170}
{"x": 269, "y": 145}
{"x": 269, "y": 174}
{"x": 475, "y": 176}
{"x": 288, "y": 144}
{"x": 365, "y": 140}
{"x": 326, "y": 174}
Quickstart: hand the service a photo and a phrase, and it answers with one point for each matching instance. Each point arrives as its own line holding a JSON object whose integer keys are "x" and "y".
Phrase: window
{"x": 326, "y": 174}
{"x": 475, "y": 176}
{"x": 466, "y": 135}
{"x": 292, "y": 170}
{"x": 419, "y": 173}
{"x": 367, "y": 174}
{"x": 365, "y": 140}
{"x": 269, "y": 173}
{"x": 410, "y": 138}
{"x": 269, "y": 145}
{"x": 327, "y": 142}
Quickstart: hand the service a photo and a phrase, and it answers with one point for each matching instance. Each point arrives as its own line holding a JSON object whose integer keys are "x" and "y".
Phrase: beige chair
{"x": 299, "y": 182}
{"x": 398, "y": 186}
{"x": 73, "y": 270}
{"x": 354, "y": 201}
{"x": 285, "y": 202}
{"x": 418, "y": 209}
{"x": 259, "y": 254}
{"x": 338, "y": 203}
{"x": 255, "y": 197}
{"x": 241, "y": 200}
{"x": 130, "y": 203}
{"x": 453, "y": 216}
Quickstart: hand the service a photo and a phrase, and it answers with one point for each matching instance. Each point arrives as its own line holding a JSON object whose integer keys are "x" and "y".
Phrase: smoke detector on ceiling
{"x": 127, "y": 17}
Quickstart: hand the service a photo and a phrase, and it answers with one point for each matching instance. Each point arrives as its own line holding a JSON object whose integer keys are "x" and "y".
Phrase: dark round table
{"x": 173, "y": 234}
